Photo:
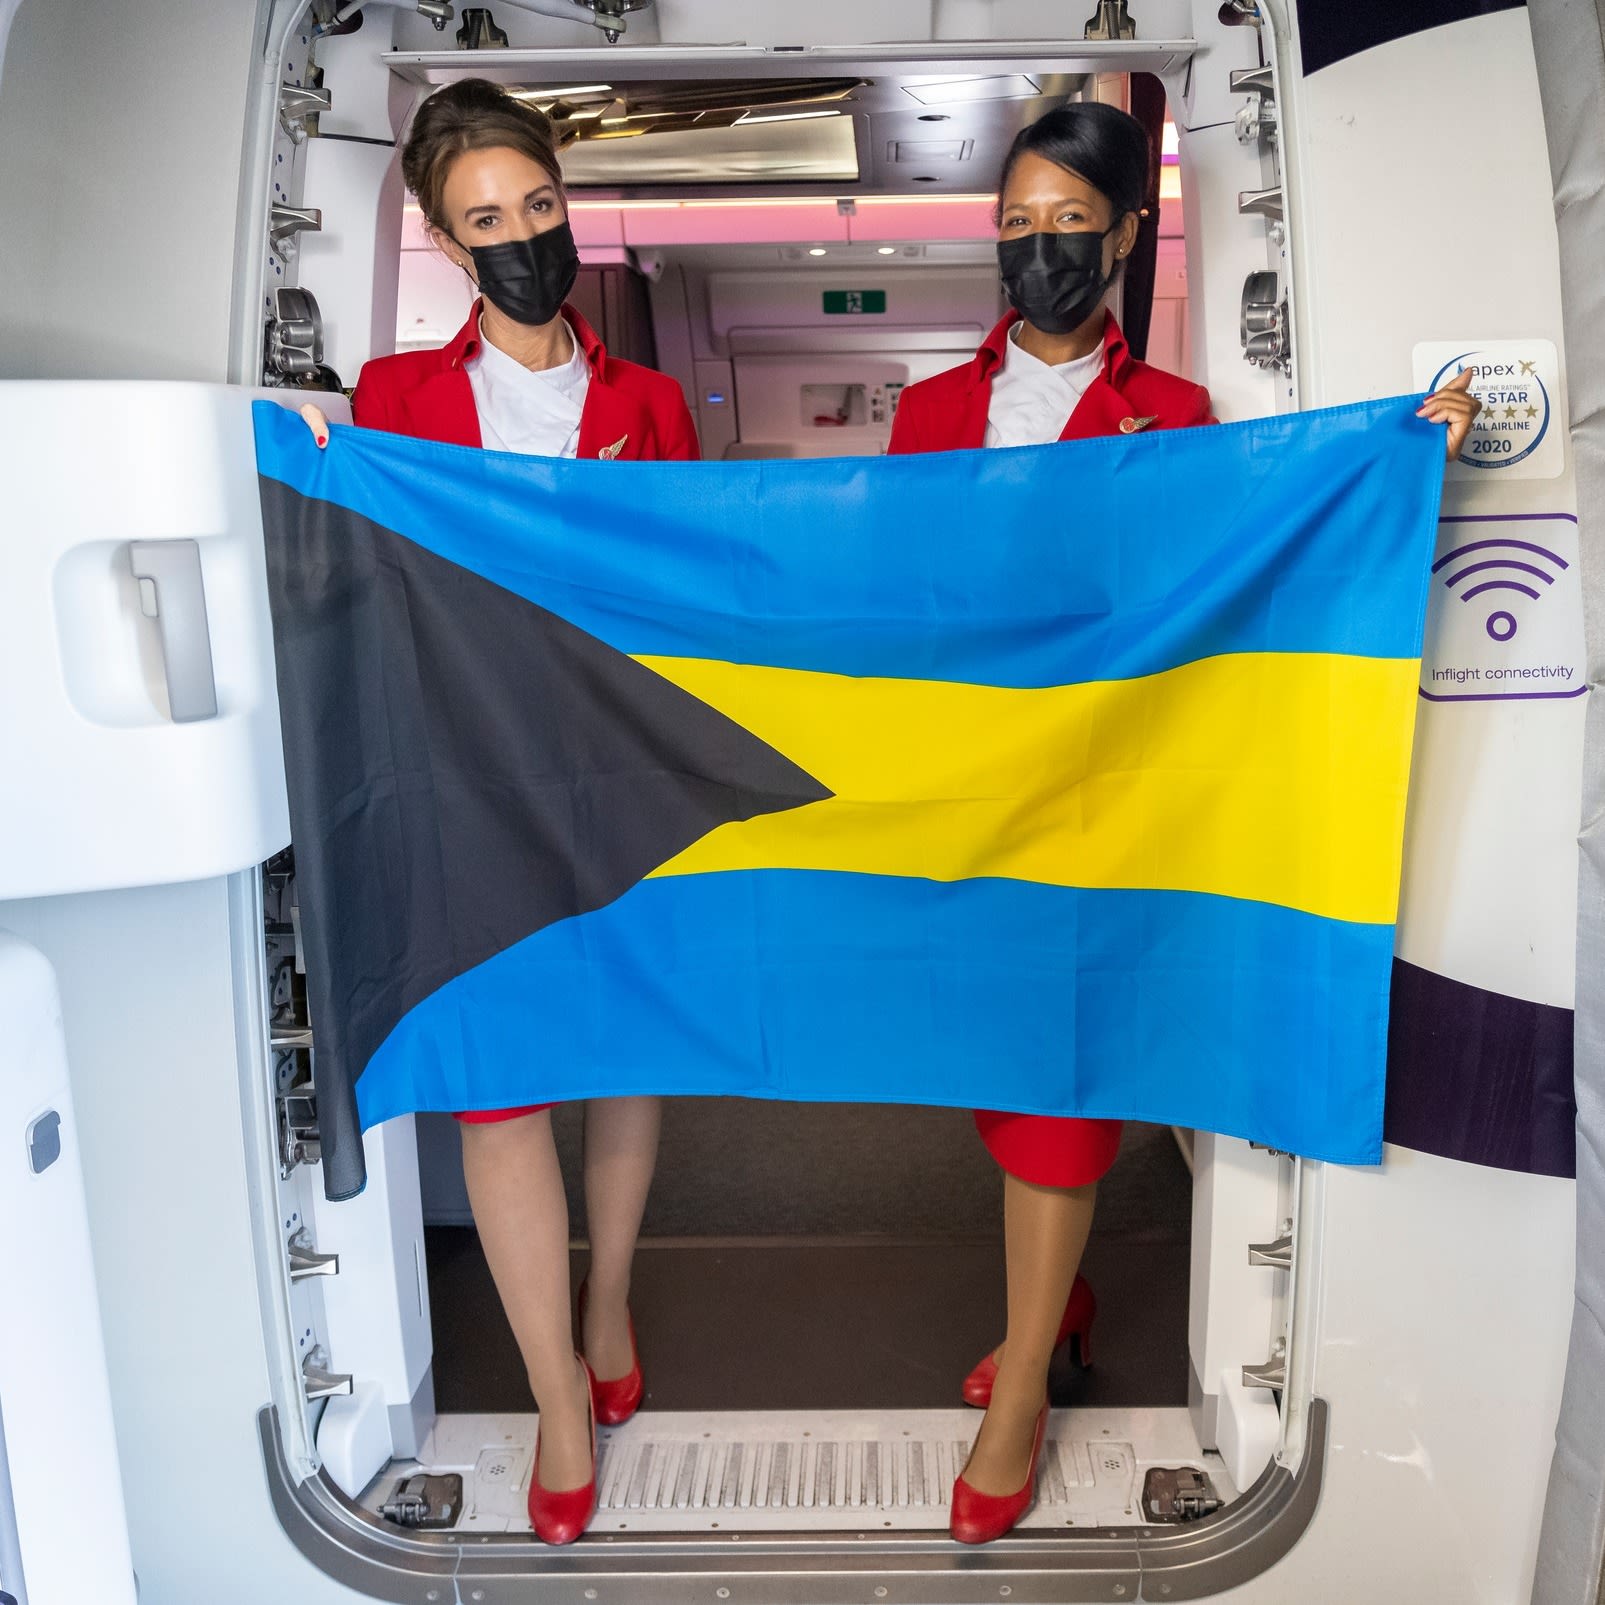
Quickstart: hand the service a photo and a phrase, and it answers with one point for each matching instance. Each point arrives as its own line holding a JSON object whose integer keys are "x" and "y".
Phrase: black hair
{"x": 1106, "y": 146}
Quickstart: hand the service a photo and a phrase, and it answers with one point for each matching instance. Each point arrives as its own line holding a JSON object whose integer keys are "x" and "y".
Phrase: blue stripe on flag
{"x": 1186, "y": 1008}
{"x": 1309, "y": 532}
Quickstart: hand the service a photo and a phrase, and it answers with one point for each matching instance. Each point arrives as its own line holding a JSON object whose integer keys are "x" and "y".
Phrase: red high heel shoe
{"x": 1079, "y": 1310}
{"x": 618, "y": 1398}
{"x": 560, "y": 1516}
{"x": 977, "y": 1518}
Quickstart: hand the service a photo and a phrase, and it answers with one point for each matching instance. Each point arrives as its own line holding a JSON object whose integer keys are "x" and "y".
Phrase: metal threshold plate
{"x": 808, "y": 1470}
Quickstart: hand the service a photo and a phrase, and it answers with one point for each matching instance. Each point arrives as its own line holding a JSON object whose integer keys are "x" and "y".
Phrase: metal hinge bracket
{"x": 425, "y": 1500}
{"x": 1110, "y": 21}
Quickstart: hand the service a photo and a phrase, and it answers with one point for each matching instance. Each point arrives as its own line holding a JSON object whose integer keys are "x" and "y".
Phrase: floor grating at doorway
{"x": 807, "y": 1471}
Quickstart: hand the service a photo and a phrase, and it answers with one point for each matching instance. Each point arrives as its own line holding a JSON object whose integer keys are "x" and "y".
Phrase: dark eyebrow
{"x": 534, "y": 194}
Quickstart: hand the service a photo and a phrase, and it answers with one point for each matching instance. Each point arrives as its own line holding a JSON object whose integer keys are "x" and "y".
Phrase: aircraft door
{"x": 56, "y": 1431}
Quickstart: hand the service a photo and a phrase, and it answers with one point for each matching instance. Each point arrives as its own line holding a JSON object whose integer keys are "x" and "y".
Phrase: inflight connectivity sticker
{"x": 1506, "y": 615}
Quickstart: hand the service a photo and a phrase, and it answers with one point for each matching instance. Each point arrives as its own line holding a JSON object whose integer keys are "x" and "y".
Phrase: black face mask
{"x": 1053, "y": 280}
{"x": 529, "y": 279}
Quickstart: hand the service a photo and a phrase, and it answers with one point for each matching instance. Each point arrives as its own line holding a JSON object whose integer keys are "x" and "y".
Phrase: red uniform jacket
{"x": 949, "y": 411}
{"x": 630, "y": 411}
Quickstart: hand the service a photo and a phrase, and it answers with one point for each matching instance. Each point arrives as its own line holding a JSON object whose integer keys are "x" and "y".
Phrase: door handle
{"x": 171, "y": 592}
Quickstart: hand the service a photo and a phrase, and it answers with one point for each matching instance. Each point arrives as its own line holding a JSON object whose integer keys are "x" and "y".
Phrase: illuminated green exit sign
{"x": 855, "y": 300}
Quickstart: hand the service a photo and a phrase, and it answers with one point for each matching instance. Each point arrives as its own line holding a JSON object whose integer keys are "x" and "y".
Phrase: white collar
{"x": 503, "y": 370}
{"x": 1079, "y": 371}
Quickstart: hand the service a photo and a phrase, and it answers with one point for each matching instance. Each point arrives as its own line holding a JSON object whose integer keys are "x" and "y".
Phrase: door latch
{"x": 294, "y": 337}
{"x": 1272, "y": 1374}
{"x": 285, "y": 222}
{"x": 1267, "y": 341}
{"x": 305, "y": 1260}
{"x": 318, "y": 1381}
{"x": 1278, "y": 1255}
{"x": 1256, "y": 118}
{"x": 299, "y": 110}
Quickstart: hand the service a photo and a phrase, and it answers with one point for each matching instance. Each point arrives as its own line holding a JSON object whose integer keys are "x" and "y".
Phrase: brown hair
{"x": 471, "y": 114}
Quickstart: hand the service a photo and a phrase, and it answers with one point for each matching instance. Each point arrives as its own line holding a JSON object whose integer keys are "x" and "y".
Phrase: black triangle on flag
{"x": 464, "y": 767}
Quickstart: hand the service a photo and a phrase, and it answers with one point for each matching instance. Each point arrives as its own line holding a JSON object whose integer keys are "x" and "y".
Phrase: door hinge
{"x": 425, "y": 1500}
{"x": 1181, "y": 1493}
{"x": 299, "y": 1141}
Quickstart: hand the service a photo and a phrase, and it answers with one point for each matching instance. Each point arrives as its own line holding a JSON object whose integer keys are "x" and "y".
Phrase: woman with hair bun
{"x": 1056, "y": 368}
{"x": 526, "y": 373}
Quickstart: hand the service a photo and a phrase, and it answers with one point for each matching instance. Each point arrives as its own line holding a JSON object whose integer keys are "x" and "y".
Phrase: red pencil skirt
{"x": 489, "y": 1117}
{"x": 1047, "y": 1150}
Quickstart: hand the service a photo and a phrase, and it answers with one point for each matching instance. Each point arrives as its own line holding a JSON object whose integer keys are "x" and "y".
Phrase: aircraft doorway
{"x": 815, "y": 1281}
{"x": 810, "y": 1263}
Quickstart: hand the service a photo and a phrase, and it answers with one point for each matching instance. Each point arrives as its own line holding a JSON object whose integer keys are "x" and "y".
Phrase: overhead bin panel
{"x": 915, "y": 120}
{"x": 934, "y": 58}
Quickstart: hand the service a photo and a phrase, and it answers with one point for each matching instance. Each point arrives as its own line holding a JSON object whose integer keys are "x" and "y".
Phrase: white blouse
{"x": 534, "y": 412}
{"x": 1031, "y": 400}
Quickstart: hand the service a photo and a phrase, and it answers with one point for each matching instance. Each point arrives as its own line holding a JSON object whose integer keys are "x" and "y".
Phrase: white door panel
{"x": 140, "y": 750}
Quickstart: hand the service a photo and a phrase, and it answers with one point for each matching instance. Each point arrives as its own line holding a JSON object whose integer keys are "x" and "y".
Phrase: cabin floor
{"x": 801, "y": 1311}
{"x": 802, "y": 1373}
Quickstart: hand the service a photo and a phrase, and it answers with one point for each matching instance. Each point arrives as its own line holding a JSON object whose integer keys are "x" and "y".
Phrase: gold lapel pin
{"x": 1130, "y": 426}
{"x": 614, "y": 449}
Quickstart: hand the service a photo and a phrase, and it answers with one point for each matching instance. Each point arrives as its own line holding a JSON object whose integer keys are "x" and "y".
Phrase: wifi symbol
{"x": 1500, "y": 625}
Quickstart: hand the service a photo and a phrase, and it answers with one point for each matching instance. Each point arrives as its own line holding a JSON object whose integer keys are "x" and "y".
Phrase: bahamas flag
{"x": 1068, "y": 779}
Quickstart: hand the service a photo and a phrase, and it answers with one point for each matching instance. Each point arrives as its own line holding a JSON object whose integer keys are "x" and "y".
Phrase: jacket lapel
{"x": 1101, "y": 411}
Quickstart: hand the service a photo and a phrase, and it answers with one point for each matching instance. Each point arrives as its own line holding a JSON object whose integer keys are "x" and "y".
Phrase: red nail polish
{"x": 323, "y": 440}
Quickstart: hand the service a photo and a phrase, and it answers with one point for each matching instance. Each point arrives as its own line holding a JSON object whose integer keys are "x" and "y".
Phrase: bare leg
{"x": 1044, "y": 1233}
{"x": 516, "y": 1188}
{"x": 621, "y": 1150}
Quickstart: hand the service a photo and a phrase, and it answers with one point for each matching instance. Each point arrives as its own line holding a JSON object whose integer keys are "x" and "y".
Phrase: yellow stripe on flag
{"x": 1278, "y": 777}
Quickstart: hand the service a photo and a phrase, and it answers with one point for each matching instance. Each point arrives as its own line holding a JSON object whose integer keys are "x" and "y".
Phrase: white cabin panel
{"x": 56, "y": 1434}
